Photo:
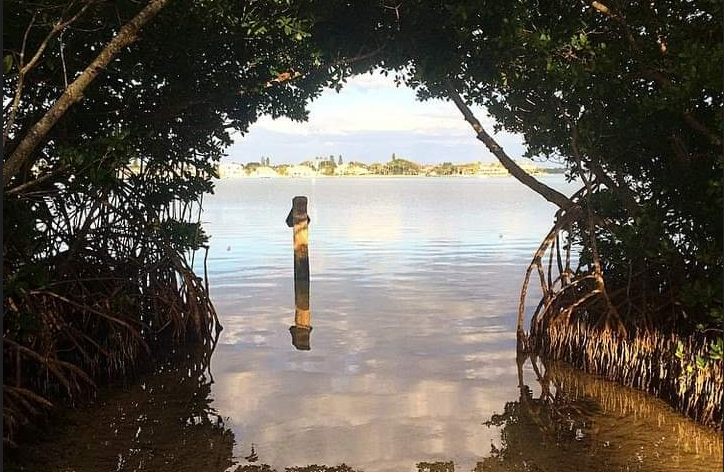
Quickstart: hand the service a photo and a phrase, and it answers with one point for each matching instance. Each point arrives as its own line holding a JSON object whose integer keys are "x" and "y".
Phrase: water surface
{"x": 412, "y": 366}
{"x": 414, "y": 292}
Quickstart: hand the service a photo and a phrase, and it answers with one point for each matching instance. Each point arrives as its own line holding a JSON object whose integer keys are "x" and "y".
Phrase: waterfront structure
{"x": 351, "y": 169}
{"x": 530, "y": 168}
{"x": 262, "y": 172}
{"x": 495, "y": 169}
{"x": 301, "y": 171}
{"x": 229, "y": 170}
{"x": 320, "y": 167}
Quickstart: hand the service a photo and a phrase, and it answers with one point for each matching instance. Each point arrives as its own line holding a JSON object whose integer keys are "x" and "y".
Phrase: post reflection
{"x": 301, "y": 337}
{"x": 302, "y": 328}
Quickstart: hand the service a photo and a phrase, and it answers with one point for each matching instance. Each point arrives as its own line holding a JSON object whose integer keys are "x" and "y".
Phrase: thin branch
{"x": 612, "y": 312}
{"x": 62, "y": 59}
{"x": 550, "y": 194}
{"x": 21, "y": 155}
{"x": 292, "y": 75}
{"x": 33, "y": 183}
{"x": 23, "y": 68}
{"x": 19, "y": 86}
{"x": 655, "y": 75}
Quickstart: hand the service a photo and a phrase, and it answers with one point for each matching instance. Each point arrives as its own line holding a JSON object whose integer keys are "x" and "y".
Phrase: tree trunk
{"x": 21, "y": 155}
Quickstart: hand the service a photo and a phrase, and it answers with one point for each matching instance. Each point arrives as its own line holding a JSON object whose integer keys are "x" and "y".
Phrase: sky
{"x": 367, "y": 121}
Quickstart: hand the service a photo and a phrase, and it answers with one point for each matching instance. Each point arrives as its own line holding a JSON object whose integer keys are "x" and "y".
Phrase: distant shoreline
{"x": 395, "y": 168}
{"x": 380, "y": 176}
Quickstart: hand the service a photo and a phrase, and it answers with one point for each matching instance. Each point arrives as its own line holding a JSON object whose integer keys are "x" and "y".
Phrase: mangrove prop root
{"x": 578, "y": 321}
{"x": 117, "y": 290}
{"x": 646, "y": 361}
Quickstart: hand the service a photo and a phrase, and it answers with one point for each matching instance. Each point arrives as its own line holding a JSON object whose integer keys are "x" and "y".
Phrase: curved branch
{"x": 550, "y": 194}
{"x": 21, "y": 155}
{"x": 23, "y": 68}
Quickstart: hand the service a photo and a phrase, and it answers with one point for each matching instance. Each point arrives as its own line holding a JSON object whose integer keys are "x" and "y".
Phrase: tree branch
{"x": 291, "y": 75}
{"x": 550, "y": 194}
{"x": 23, "y": 68}
{"x": 21, "y": 155}
{"x": 23, "y": 188}
{"x": 656, "y": 75}
{"x": 612, "y": 313}
{"x": 15, "y": 104}
{"x": 624, "y": 194}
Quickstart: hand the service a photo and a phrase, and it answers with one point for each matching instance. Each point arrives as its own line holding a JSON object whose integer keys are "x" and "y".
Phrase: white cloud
{"x": 372, "y": 102}
{"x": 432, "y": 117}
{"x": 372, "y": 81}
{"x": 371, "y": 117}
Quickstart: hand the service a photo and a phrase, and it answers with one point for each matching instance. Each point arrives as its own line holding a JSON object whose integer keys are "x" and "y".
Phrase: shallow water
{"x": 412, "y": 366}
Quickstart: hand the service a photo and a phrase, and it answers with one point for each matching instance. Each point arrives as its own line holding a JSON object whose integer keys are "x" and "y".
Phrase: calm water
{"x": 412, "y": 364}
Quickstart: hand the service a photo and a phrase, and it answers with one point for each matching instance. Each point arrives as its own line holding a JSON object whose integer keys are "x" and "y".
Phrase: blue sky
{"x": 367, "y": 121}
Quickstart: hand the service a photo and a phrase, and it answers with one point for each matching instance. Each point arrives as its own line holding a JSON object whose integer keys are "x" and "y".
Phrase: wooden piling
{"x": 299, "y": 220}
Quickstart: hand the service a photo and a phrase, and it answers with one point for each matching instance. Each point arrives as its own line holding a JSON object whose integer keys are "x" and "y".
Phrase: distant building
{"x": 137, "y": 167}
{"x": 496, "y": 169}
{"x": 351, "y": 169}
{"x": 320, "y": 162}
{"x": 530, "y": 168}
{"x": 428, "y": 170}
{"x": 493, "y": 169}
{"x": 134, "y": 167}
{"x": 301, "y": 171}
{"x": 468, "y": 169}
{"x": 262, "y": 172}
{"x": 230, "y": 170}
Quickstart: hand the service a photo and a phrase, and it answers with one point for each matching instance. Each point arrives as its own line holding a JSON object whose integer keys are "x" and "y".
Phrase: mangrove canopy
{"x": 116, "y": 114}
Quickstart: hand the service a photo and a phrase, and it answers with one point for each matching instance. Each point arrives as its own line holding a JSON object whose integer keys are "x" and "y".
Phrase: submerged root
{"x": 112, "y": 286}
{"x": 82, "y": 339}
{"x": 620, "y": 332}
{"x": 647, "y": 361}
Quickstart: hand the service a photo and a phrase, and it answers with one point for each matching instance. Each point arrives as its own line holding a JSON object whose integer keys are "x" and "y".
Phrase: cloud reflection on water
{"x": 413, "y": 350}
{"x": 414, "y": 292}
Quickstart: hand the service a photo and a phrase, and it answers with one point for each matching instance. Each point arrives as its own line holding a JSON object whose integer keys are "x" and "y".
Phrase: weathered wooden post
{"x": 299, "y": 220}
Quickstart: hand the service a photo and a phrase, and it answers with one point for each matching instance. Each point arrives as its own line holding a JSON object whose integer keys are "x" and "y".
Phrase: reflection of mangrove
{"x": 624, "y": 402}
{"x": 566, "y": 420}
{"x": 564, "y": 427}
{"x": 421, "y": 467}
{"x": 542, "y": 432}
{"x": 309, "y": 468}
{"x": 618, "y": 333}
{"x": 163, "y": 423}
{"x": 120, "y": 285}
{"x": 646, "y": 361}
{"x": 436, "y": 467}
